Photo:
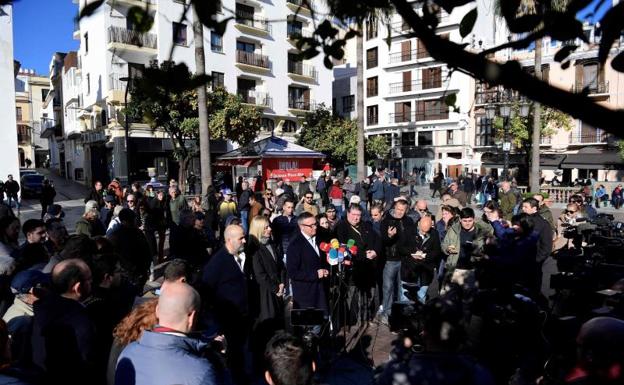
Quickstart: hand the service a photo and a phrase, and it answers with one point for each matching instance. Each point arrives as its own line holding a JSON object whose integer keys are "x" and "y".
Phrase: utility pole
{"x": 202, "y": 108}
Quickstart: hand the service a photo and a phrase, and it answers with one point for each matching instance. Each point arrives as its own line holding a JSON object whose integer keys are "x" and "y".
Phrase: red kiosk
{"x": 273, "y": 157}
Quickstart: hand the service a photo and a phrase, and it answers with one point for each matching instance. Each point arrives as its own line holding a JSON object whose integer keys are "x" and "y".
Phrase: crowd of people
{"x": 111, "y": 304}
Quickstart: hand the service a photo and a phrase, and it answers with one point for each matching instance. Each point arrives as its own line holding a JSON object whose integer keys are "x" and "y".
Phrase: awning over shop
{"x": 547, "y": 161}
{"x": 235, "y": 162}
{"x": 604, "y": 160}
{"x": 271, "y": 147}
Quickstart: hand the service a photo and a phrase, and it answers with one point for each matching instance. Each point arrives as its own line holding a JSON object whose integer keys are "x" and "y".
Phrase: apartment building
{"x": 578, "y": 153}
{"x": 404, "y": 97}
{"x": 52, "y": 115}
{"x": 9, "y": 161}
{"x": 30, "y": 93}
{"x": 255, "y": 58}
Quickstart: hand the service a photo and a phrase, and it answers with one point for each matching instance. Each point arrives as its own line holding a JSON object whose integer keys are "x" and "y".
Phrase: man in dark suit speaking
{"x": 307, "y": 266}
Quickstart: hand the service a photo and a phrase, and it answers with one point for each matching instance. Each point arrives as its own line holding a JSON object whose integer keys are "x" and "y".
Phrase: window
{"x": 408, "y": 139}
{"x": 334, "y": 106}
{"x": 484, "y": 132}
{"x": 431, "y": 78}
{"x": 371, "y": 28}
{"x": 245, "y": 47}
{"x": 179, "y": 33}
{"x": 86, "y": 42}
{"x": 218, "y": 80}
{"x": 449, "y": 137}
{"x": 421, "y": 52}
{"x": 245, "y": 89}
{"x": 371, "y": 87}
{"x": 88, "y": 84}
{"x": 431, "y": 110}
{"x": 299, "y": 98}
{"x": 371, "y": 58}
{"x": 294, "y": 27}
{"x": 104, "y": 118}
{"x": 44, "y": 93}
{"x": 425, "y": 138}
{"x": 402, "y": 112}
{"x": 289, "y": 126}
{"x": 348, "y": 103}
{"x": 18, "y": 113}
{"x": 135, "y": 71}
{"x": 216, "y": 42}
{"x": 372, "y": 115}
{"x": 244, "y": 14}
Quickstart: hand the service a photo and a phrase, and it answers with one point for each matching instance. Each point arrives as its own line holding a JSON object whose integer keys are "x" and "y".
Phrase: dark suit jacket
{"x": 302, "y": 264}
{"x": 226, "y": 284}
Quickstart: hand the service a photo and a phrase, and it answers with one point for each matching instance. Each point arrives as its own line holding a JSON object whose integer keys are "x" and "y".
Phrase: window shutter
{"x": 407, "y": 81}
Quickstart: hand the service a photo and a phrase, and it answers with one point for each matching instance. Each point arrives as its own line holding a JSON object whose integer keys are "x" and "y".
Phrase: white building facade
{"x": 255, "y": 58}
{"x": 405, "y": 91}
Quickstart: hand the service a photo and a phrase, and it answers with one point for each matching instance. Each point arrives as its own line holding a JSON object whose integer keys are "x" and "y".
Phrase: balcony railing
{"x": 296, "y": 32}
{"x": 299, "y": 3}
{"x": 257, "y": 98}
{"x": 252, "y": 59}
{"x": 302, "y": 69}
{"x": 23, "y": 135}
{"x": 400, "y": 27}
{"x": 114, "y": 82}
{"x": 298, "y": 104}
{"x": 595, "y": 88}
{"x": 498, "y": 96}
{"x": 251, "y": 20}
{"x": 405, "y": 56}
{"x": 128, "y": 36}
{"x": 407, "y": 117}
{"x": 594, "y": 137}
{"x": 419, "y": 85}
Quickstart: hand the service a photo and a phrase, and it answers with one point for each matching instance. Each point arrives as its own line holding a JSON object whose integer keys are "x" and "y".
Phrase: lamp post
{"x": 128, "y": 80}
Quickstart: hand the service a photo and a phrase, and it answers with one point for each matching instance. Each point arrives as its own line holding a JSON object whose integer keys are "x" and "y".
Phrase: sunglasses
{"x": 570, "y": 211}
{"x": 130, "y": 201}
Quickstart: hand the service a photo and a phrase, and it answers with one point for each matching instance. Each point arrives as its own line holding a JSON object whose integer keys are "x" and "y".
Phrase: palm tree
{"x": 361, "y": 165}
{"x": 204, "y": 133}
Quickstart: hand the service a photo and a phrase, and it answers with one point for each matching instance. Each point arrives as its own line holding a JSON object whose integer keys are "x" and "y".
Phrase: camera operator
{"x": 439, "y": 362}
{"x": 425, "y": 252}
{"x": 289, "y": 363}
{"x": 463, "y": 245}
{"x": 587, "y": 210}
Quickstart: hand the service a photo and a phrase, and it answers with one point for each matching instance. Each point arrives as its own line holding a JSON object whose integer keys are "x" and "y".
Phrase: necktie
{"x": 239, "y": 260}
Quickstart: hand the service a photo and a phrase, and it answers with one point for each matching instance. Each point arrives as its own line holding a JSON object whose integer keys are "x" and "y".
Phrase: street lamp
{"x": 128, "y": 80}
{"x": 505, "y": 111}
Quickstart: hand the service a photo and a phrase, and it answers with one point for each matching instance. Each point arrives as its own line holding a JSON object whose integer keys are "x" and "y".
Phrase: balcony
{"x": 252, "y": 61}
{"x": 116, "y": 89}
{"x": 401, "y": 27}
{"x": 407, "y": 56}
{"x": 595, "y": 89}
{"x": 597, "y": 137}
{"x": 410, "y": 117}
{"x": 299, "y": 106}
{"x": 250, "y": 23}
{"x": 419, "y": 85}
{"x": 23, "y": 134}
{"x": 301, "y": 70}
{"x": 492, "y": 96}
{"x": 300, "y": 7}
{"x": 294, "y": 32}
{"x": 257, "y": 98}
{"x": 126, "y": 40}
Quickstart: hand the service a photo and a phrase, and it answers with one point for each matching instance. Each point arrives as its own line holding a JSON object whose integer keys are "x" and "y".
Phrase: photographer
{"x": 463, "y": 246}
{"x": 440, "y": 362}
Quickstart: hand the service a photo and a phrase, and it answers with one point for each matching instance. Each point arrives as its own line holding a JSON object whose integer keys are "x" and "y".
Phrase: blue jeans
{"x": 391, "y": 284}
{"x": 422, "y": 291}
{"x": 245, "y": 220}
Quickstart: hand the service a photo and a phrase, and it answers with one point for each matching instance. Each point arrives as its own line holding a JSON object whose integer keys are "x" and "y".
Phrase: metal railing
{"x": 420, "y": 84}
{"x": 400, "y": 57}
{"x": 594, "y": 88}
{"x": 114, "y": 82}
{"x": 400, "y": 27}
{"x": 300, "y": 3}
{"x": 296, "y": 32}
{"x": 128, "y": 36}
{"x": 251, "y": 20}
{"x": 253, "y": 59}
{"x": 256, "y": 97}
{"x": 407, "y": 117}
{"x": 298, "y": 104}
{"x": 594, "y": 137}
{"x": 498, "y": 96}
{"x": 302, "y": 69}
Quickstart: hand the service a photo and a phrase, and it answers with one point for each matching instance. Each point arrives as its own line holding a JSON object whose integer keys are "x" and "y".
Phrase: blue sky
{"x": 42, "y": 27}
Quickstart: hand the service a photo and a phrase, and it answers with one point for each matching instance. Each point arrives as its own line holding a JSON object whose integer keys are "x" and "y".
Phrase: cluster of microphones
{"x": 339, "y": 253}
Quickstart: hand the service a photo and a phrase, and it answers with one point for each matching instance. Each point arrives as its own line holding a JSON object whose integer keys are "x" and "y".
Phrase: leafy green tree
{"x": 337, "y": 137}
{"x": 231, "y": 119}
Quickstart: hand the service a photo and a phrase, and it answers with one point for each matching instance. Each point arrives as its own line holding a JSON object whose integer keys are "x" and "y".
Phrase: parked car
{"x": 31, "y": 185}
{"x": 27, "y": 171}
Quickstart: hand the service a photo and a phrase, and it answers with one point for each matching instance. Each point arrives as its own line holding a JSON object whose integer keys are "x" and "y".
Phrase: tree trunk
{"x": 361, "y": 164}
{"x": 204, "y": 134}
{"x": 534, "y": 180}
{"x": 182, "y": 174}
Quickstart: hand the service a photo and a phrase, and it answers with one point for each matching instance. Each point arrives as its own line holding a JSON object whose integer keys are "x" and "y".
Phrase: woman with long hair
{"x": 130, "y": 329}
{"x": 268, "y": 268}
